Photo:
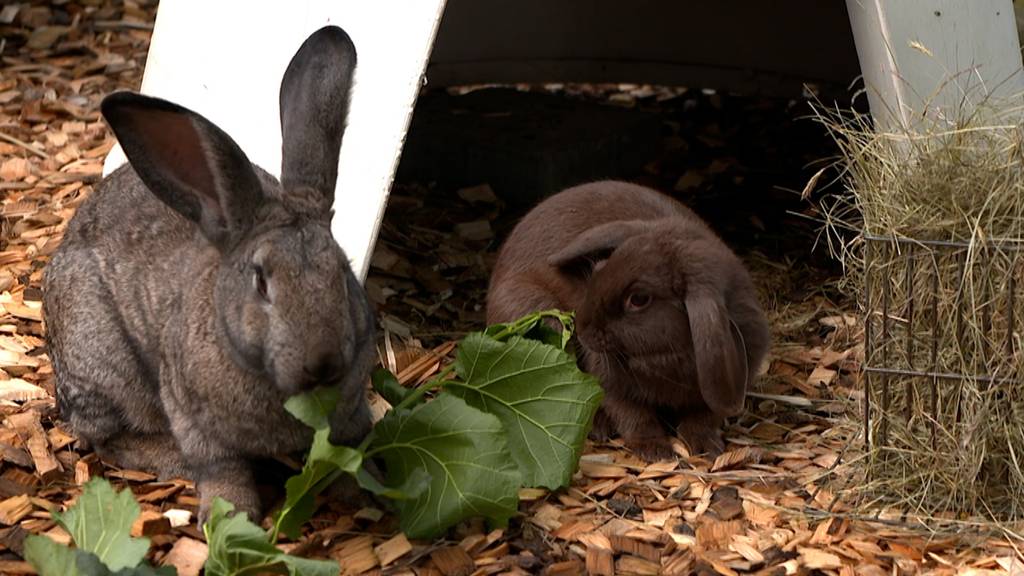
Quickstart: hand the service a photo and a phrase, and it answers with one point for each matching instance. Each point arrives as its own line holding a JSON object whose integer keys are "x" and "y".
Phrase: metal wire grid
{"x": 903, "y": 345}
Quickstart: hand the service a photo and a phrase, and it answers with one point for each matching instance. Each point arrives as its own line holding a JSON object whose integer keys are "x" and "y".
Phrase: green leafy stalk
{"x": 324, "y": 464}
{"x": 516, "y": 413}
{"x": 532, "y": 326}
{"x": 240, "y": 548}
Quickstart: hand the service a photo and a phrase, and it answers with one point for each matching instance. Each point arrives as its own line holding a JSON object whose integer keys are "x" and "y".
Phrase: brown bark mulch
{"x": 770, "y": 505}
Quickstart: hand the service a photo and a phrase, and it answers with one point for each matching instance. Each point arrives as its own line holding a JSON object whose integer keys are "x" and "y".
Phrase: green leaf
{"x": 532, "y": 326}
{"x": 237, "y": 547}
{"x": 386, "y": 384}
{"x": 301, "y": 490}
{"x": 544, "y": 401}
{"x": 89, "y": 565}
{"x": 413, "y": 485}
{"x": 465, "y": 453}
{"x": 50, "y": 558}
{"x": 313, "y": 408}
{"x": 101, "y": 522}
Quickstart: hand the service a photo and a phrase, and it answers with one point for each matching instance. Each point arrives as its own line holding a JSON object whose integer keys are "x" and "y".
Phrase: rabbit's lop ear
{"x": 719, "y": 353}
{"x": 187, "y": 162}
{"x": 597, "y": 242}
{"x": 314, "y": 106}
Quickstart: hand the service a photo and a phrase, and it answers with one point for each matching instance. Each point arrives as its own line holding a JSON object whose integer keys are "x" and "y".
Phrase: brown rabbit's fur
{"x": 667, "y": 316}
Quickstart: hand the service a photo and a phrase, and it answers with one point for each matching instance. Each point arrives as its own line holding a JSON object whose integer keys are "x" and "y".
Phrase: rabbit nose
{"x": 324, "y": 369}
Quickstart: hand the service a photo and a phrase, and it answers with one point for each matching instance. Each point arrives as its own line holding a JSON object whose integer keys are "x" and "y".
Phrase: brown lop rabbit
{"x": 194, "y": 293}
{"x": 667, "y": 316}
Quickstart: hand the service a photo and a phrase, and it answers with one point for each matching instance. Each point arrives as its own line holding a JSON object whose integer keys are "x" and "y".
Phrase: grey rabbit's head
{"x": 287, "y": 303}
{"x": 662, "y": 299}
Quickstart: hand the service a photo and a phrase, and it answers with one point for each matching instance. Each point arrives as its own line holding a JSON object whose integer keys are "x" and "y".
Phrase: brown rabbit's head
{"x": 655, "y": 305}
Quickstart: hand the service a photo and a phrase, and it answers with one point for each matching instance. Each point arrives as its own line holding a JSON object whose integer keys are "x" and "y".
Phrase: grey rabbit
{"x": 667, "y": 317}
{"x": 193, "y": 293}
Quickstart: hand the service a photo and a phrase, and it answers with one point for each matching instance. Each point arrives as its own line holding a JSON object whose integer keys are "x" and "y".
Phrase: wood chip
{"x": 150, "y": 523}
{"x": 598, "y": 470}
{"x": 595, "y": 540}
{"x": 547, "y": 517}
{"x": 453, "y": 561}
{"x": 566, "y": 568}
{"x": 13, "y": 509}
{"x": 635, "y": 547}
{"x": 178, "y": 518}
{"x": 747, "y": 550}
{"x": 15, "y": 169}
{"x": 18, "y": 390}
{"x": 187, "y": 556}
{"x": 16, "y": 567}
{"x": 819, "y": 559}
{"x": 15, "y": 455}
{"x": 634, "y": 565}
{"x": 478, "y": 230}
{"x": 392, "y": 549}
{"x": 355, "y": 555}
{"x": 714, "y": 535}
{"x": 600, "y": 562}
{"x": 735, "y": 458}
{"x": 132, "y": 475}
{"x": 160, "y": 494}
{"x": 29, "y": 428}
{"x": 821, "y": 376}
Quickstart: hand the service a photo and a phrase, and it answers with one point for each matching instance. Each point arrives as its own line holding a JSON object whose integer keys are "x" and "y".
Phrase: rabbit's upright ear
{"x": 314, "y": 106}
{"x": 719, "y": 352}
{"x": 597, "y": 242}
{"x": 187, "y": 162}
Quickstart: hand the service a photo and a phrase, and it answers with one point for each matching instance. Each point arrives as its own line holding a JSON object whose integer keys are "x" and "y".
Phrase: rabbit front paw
{"x": 651, "y": 448}
{"x": 232, "y": 482}
{"x": 702, "y": 434}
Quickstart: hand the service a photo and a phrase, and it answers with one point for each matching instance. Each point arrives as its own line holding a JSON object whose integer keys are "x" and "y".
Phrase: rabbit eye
{"x": 259, "y": 280}
{"x": 637, "y": 301}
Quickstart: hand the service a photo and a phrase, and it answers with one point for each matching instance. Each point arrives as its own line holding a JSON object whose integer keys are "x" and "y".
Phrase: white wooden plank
{"x": 225, "y": 60}
{"x": 935, "y": 55}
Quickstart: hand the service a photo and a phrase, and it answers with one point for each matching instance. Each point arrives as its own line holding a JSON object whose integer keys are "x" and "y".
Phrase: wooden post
{"x": 934, "y": 57}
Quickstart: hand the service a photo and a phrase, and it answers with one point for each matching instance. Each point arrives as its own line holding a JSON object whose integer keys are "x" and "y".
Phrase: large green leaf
{"x": 465, "y": 453}
{"x": 238, "y": 547}
{"x": 52, "y": 559}
{"x": 544, "y": 401}
{"x": 411, "y": 486}
{"x": 89, "y": 565}
{"x": 101, "y": 522}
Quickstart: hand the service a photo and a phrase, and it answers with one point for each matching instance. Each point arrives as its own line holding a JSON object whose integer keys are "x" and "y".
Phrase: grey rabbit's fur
{"x": 193, "y": 293}
{"x": 667, "y": 316}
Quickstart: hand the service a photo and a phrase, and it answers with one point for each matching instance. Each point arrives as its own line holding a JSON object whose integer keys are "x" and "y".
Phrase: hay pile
{"x": 937, "y": 262}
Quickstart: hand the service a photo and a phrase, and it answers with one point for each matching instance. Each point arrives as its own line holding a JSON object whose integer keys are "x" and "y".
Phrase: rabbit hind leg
{"x": 98, "y": 422}
{"x": 157, "y": 453}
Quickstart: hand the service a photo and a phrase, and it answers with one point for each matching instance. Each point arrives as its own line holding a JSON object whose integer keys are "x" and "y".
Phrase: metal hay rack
{"x": 944, "y": 325}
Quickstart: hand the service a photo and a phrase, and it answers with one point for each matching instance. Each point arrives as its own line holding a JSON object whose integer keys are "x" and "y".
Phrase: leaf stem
{"x": 523, "y": 325}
